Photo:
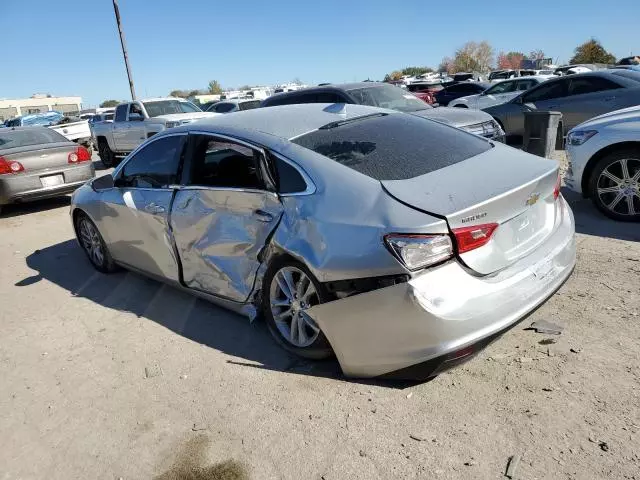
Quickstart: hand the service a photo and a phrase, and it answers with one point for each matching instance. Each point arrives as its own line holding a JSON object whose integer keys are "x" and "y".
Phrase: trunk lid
{"x": 502, "y": 185}
{"x": 36, "y": 158}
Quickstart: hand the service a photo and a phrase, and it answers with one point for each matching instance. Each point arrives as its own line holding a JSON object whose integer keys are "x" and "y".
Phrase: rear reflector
{"x": 556, "y": 190}
{"x": 80, "y": 154}
{"x": 470, "y": 238}
{"x": 10, "y": 166}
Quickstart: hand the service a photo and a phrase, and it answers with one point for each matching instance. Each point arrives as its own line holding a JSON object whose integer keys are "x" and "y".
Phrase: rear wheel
{"x": 93, "y": 245}
{"x": 106, "y": 155}
{"x": 614, "y": 186}
{"x": 289, "y": 289}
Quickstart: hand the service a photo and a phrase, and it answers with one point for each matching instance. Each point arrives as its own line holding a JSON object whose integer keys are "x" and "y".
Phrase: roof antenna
{"x": 337, "y": 108}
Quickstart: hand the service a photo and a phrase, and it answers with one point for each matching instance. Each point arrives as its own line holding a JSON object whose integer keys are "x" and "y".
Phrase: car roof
{"x": 284, "y": 121}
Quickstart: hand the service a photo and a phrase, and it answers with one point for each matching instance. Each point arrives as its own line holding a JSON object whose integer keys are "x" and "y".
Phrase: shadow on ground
{"x": 66, "y": 265}
{"x": 591, "y": 221}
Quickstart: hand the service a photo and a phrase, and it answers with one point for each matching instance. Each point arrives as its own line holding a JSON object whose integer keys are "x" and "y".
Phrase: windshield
{"x": 27, "y": 137}
{"x": 168, "y": 107}
{"x": 388, "y": 96}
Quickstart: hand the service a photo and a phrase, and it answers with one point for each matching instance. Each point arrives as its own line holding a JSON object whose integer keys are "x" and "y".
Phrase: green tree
{"x": 214, "y": 87}
{"x": 110, "y": 103}
{"x": 591, "y": 52}
{"x": 245, "y": 87}
{"x": 179, "y": 93}
{"x": 393, "y": 76}
{"x": 413, "y": 71}
{"x": 473, "y": 57}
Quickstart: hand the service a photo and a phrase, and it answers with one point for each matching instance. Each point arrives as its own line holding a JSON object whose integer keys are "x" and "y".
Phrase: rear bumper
{"x": 445, "y": 314}
{"x": 27, "y": 187}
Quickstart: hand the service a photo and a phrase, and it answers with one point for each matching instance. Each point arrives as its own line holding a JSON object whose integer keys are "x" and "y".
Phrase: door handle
{"x": 263, "y": 216}
{"x": 154, "y": 209}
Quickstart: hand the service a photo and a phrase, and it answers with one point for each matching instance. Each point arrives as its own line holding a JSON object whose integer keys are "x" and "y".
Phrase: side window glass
{"x": 224, "y": 107}
{"x": 121, "y": 113}
{"x": 584, "y": 85}
{"x": 289, "y": 179}
{"x": 135, "y": 110}
{"x": 328, "y": 97}
{"x": 546, "y": 91}
{"x": 363, "y": 97}
{"x": 220, "y": 163}
{"x": 250, "y": 105}
{"x": 524, "y": 85}
{"x": 154, "y": 166}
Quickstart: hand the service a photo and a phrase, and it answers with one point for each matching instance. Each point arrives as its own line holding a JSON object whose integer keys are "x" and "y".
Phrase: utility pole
{"x": 124, "y": 49}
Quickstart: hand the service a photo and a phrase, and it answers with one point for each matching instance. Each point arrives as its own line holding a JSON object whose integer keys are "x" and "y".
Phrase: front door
{"x": 135, "y": 133}
{"x": 119, "y": 127}
{"x": 588, "y": 98}
{"x": 136, "y": 211}
{"x": 222, "y": 217}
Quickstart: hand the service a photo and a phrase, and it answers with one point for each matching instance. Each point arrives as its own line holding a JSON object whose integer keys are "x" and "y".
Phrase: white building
{"x": 38, "y": 103}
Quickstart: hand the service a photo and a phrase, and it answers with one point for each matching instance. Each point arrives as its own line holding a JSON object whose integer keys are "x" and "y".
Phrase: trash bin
{"x": 541, "y": 132}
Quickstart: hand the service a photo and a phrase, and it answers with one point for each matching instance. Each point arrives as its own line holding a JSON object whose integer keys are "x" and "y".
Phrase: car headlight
{"x": 578, "y": 137}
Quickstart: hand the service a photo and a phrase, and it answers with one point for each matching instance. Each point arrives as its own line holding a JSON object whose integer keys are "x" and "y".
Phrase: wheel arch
{"x": 593, "y": 161}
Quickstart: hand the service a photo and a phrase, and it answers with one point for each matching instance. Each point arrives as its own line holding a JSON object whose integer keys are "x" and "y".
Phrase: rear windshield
{"x": 27, "y": 137}
{"x": 393, "y": 146}
{"x": 168, "y": 107}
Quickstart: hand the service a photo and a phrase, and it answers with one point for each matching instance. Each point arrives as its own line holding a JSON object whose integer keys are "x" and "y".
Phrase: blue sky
{"x": 71, "y": 47}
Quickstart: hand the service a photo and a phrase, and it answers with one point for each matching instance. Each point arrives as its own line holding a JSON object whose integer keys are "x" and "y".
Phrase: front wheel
{"x": 106, "y": 154}
{"x": 93, "y": 245}
{"x": 289, "y": 289}
{"x": 614, "y": 186}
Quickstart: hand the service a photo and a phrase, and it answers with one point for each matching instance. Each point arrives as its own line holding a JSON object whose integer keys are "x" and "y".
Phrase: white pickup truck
{"x": 134, "y": 122}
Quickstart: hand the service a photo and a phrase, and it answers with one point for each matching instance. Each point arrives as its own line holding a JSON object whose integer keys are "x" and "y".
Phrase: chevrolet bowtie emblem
{"x": 533, "y": 198}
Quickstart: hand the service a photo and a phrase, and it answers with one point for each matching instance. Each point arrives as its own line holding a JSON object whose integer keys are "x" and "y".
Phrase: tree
{"x": 510, "y": 61}
{"x": 591, "y": 52}
{"x": 413, "y": 71}
{"x": 446, "y": 65}
{"x": 179, "y": 93}
{"x": 393, "y": 76}
{"x": 473, "y": 57}
{"x": 245, "y": 87}
{"x": 214, "y": 87}
{"x": 110, "y": 103}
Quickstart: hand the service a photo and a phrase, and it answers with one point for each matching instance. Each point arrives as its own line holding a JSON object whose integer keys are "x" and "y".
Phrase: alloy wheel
{"x": 291, "y": 293}
{"x": 618, "y": 187}
{"x": 91, "y": 242}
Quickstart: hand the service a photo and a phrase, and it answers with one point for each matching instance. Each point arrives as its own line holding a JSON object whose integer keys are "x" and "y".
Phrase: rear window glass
{"x": 393, "y": 146}
{"x": 27, "y": 137}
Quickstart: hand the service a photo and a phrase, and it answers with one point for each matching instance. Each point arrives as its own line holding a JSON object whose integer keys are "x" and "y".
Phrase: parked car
{"x": 363, "y": 233}
{"x": 446, "y": 95}
{"x": 388, "y": 96}
{"x": 498, "y": 93}
{"x": 235, "y": 105}
{"x": 134, "y": 122}
{"x": 604, "y": 162}
{"x": 579, "y": 97}
{"x": 37, "y": 162}
{"x": 75, "y": 130}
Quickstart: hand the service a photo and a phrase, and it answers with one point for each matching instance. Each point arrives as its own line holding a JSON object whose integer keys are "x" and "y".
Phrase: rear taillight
{"x": 10, "y": 166}
{"x": 556, "y": 190}
{"x": 80, "y": 154}
{"x": 470, "y": 238}
{"x": 419, "y": 251}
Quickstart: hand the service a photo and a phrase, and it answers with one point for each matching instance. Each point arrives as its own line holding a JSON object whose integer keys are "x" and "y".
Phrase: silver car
{"x": 37, "y": 162}
{"x": 398, "y": 243}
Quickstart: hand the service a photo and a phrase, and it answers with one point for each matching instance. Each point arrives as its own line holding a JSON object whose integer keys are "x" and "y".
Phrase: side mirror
{"x": 135, "y": 117}
{"x": 104, "y": 182}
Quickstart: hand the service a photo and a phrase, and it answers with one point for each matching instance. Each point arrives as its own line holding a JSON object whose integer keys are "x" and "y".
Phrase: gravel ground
{"x": 117, "y": 376}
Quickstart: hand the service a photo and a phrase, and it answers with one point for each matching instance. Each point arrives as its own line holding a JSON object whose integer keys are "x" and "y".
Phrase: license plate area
{"x": 52, "y": 180}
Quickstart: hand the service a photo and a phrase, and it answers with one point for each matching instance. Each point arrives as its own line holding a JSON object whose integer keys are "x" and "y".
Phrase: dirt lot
{"x": 117, "y": 376}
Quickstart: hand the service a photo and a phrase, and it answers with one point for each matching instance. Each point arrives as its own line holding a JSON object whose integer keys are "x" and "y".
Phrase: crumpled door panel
{"x": 219, "y": 235}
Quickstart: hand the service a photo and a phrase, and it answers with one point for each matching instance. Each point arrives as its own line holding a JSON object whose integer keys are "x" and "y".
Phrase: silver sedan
{"x": 397, "y": 243}
{"x": 36, "y": 163}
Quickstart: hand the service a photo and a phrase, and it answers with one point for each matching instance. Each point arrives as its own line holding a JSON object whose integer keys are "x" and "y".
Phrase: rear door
{"x": 119, "y": 127}
{"x": 589, "y": 96}
{"x": 136, "y": 211}
{"x": 497, "y": 94}
{"x": 223, "y": 215}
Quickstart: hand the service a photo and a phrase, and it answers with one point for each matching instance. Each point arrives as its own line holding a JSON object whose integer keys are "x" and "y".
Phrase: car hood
{"x": 454, "y": 116}
{"x": 467, "y": 98}
{"x": 617, "y": 116}
{"x": 186, "y": 116}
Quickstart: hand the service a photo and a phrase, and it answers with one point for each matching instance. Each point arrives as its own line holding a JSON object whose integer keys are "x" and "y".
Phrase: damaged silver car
{"x": 397, "y": 243}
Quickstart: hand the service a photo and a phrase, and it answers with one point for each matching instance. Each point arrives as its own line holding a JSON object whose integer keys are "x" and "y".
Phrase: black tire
{"x": 320, "y": 348}
{"x": 106, "y": 155}
{"x": 612, "y": 164}
{"x": 106, "y": 263}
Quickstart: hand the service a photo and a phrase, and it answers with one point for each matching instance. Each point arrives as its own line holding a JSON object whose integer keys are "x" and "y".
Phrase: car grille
{"x": 489, "y": 129}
